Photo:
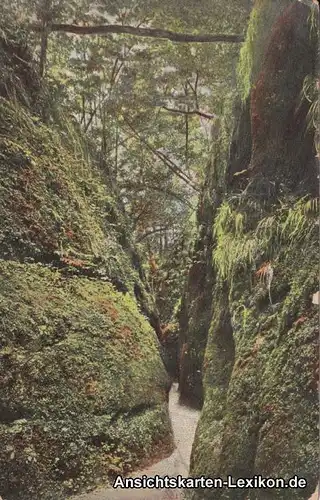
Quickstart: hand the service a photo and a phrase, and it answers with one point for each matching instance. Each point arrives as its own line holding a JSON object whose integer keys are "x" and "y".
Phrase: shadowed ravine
{"x": 159, "y": 221}
{"x": 184, "y": 421}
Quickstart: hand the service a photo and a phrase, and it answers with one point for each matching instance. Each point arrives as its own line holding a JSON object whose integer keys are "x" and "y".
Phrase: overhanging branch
{"x": 142, "y": 32}
{"x": 167, "y": 161}
{"x": 153, "y": 231}
{"x": 209, "y": 116}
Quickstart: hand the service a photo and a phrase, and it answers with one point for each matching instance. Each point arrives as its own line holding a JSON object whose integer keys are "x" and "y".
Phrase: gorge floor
{"x": 184, "y": 422}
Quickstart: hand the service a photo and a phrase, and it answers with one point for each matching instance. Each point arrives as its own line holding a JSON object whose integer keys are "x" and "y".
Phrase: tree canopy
{"x": 143, "y": 93}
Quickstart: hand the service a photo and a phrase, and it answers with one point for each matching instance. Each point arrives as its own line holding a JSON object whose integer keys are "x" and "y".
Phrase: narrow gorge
{"x": 159, "y": 247}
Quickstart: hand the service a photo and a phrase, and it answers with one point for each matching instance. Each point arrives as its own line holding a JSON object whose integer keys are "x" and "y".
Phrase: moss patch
{"x": 260, "y": 412}
{"x": 52, "y": 202}
{"x": 83, "y": 389}
{"x": 264, "y": 419}
{"x": 56, "y": 209}
{"x": 251, "y": 55}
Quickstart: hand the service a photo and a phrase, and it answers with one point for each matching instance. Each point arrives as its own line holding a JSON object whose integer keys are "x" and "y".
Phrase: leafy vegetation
{"x": 158, "y": 210}
{"x": 84, "y": 389}
{"x": 285, "y": 227}
{"x": 125, "y": 93}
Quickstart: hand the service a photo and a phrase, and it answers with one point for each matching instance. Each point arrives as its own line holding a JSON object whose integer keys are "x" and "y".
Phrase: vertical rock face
{"x": 195, "y": 311}
{"x": 259, "y": 370}
{"x": 282, "y": 145}
{"x": 83, "y": 390}
{"x": 196, "y": 305}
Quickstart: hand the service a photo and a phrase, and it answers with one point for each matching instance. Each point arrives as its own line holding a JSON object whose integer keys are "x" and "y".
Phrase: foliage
{"x": 116, "y": 86}
{"x": 265, "y": 406}
{"x": 167, "y": 277}
{"x": 70, "y": 346}
{"x": 107, "y": 96}
{"x": 53, "y": 203}
{"x": 310, "y": 92}
{"x": 292, "y": 223}
{"x": 260, "y": 368}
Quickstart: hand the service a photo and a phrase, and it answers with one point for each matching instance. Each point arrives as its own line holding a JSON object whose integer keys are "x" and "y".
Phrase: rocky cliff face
{"x": 195, "y": 312}
{"x": 83, "y": 390}
{"x": 259, "y": 369}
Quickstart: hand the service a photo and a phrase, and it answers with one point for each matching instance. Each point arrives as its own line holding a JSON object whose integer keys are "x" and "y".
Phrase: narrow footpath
{"x": 184, "y": 422}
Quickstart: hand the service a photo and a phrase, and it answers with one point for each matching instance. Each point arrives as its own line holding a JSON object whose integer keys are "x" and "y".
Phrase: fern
{"x": 310, "y": 93}
{"x": 241, "y": 247}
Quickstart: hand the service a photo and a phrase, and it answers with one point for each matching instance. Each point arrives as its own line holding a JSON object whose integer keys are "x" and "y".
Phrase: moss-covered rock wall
{"x": 82, "y": 383}
{"x": 83, "y": 389}
{"x": 260, "y": 374}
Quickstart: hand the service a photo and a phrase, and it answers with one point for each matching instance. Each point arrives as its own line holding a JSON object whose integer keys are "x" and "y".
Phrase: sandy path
{"x": 184, "y": 422}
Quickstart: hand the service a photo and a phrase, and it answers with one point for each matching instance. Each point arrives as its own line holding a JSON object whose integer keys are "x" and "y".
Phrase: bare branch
{"x": 167, "y": 161}
{"x": 195, "y": 88}
{"x": 209, "y": 116}
{"x": 142, "y": 32}
{"x": 113, "y": 80}
{"x": 153, "y": 231}
{"x": 137, "y": 187}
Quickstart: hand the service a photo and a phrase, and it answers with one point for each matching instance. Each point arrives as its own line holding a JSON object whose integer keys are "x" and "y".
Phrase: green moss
{"x": 53, "y": 204}
{"x": 252, "y": 235}
{"x": 55, "y": 207}
{"x": 260, "y": 411}
{"x": 261, "y": 20}
{"x": 83, "y": 386}
{"x": 262, "y": 414}
{"x": 83, "y": 391}
{"x": 43, "y": 185}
